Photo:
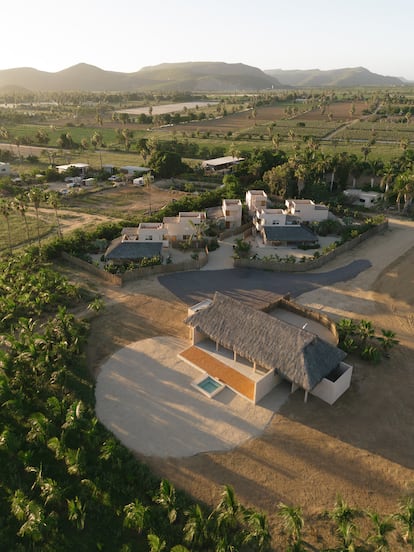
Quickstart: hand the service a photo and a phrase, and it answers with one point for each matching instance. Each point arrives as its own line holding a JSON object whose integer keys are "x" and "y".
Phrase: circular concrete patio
{"x": 144, "y": 396}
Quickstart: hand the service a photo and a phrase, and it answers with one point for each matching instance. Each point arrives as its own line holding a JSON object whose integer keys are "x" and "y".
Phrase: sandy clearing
{"x": 144, "y": 396}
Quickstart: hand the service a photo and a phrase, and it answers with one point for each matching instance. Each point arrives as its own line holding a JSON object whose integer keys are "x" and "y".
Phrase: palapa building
{"x": 265, "y": 351}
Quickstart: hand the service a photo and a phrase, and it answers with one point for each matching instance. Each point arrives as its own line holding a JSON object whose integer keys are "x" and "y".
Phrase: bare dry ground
{"x": 361, "y": 448}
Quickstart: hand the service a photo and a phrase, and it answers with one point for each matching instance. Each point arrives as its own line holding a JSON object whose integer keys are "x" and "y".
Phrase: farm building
{"x": 263, "y": 351}
{"x": 221, "y": 164}
{"x": 83, "y": 167}
{"x": 366, "y": 199}
{"x": 131, "y": 170}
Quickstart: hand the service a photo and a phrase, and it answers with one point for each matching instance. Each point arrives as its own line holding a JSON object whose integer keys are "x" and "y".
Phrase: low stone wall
{"x": 312, "y": 263}
{"x": 131, "y": 275}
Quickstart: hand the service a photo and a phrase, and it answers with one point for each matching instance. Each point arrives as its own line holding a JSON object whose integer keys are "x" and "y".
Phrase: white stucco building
{"x": 183, "y": 226}
{"x": 232, "y": 212}
{"x": 256, "y": 200}
{"x": 307, "y": 210}
{"x": 146, "y": 231}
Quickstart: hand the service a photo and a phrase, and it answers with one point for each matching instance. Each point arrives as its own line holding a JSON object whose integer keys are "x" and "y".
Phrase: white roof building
{"x": 221, "y": 163}
{"x": 83, "y": 167}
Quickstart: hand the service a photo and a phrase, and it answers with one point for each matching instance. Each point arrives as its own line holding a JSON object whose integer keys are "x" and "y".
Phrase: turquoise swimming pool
{"x": 208, "y": 385}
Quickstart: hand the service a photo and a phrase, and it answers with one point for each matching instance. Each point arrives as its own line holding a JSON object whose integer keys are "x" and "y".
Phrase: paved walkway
{"x": 144, "y": 396}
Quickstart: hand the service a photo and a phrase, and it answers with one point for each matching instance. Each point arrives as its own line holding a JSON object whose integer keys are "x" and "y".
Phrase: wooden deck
{"x": 234, "y": 379}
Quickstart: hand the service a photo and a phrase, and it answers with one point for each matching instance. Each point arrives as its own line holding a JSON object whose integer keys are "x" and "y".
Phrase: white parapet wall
{"x": 265, "y": 385}
{"x": 329, "y": 390}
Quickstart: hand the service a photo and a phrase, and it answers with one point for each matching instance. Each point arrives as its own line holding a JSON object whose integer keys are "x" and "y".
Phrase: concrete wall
{"x": 330, "y": 391}
{"x": 265, "y": 385}
{"x": 313, "y": 263}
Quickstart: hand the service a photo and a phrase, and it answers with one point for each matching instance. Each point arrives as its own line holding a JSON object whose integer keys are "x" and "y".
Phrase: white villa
{"x": 146, "y": 231}
{"x": 256, "y": 200}
{"x": 279, "y": 228}
{"x": 307, "y": 210}
{"x": 251, "y": 352}
{"x": 232, "y": 212}
{"x": 4, "y": 169}
{"x": 272, "y": 217}
{"x": 183, "y": 226}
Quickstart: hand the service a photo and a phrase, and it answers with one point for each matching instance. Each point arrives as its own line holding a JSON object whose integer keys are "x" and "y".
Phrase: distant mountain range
{"x": 347, "y": 77}
{"x": 189, "y": 76}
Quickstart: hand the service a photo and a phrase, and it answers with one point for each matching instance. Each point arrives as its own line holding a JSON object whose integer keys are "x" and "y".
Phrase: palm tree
{"x": 36, "y": 196}
{"x": 343, "y": 515}
{"x": 381, "y": 527}
{"x": 405, "y": 189}
{"x": 53, "y": 201}
{"x": 228, "y": 516}
{"x": 20, "y": 206}
{"x": 365, "y": 331}
{"x": 31, "y": 513}
{"x": 258, "y": 533}
{"x": 366, "y": 150}
{"x": 76, "y": 512}
{"x": 388, "y": 175}
{"x": 155, "y": 543}
{"x": 293, "y": 522}
{"x": 148, "y": 178}
{"x": 5, "y": 210}
{"x": 387, "y": 340}
{"x": 196, "y": 530}
{"x": 406, "y": 518}
{"x": 136, "y": 516}
{"x": 166, "y": 497}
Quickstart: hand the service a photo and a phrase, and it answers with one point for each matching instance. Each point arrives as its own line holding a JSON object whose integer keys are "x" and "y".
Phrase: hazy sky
{"x": 126, "y": 35}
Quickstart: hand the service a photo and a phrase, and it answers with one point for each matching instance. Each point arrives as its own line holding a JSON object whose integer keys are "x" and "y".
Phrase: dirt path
{"x": 362, "y": 447}
{"x": 72, "y": 220}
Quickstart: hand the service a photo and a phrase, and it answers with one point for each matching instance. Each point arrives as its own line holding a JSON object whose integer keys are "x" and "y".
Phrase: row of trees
{"x": 21, "y": 203}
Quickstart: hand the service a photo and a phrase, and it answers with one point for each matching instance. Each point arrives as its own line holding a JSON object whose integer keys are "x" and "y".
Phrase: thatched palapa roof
{"x": 296, "y": 354}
